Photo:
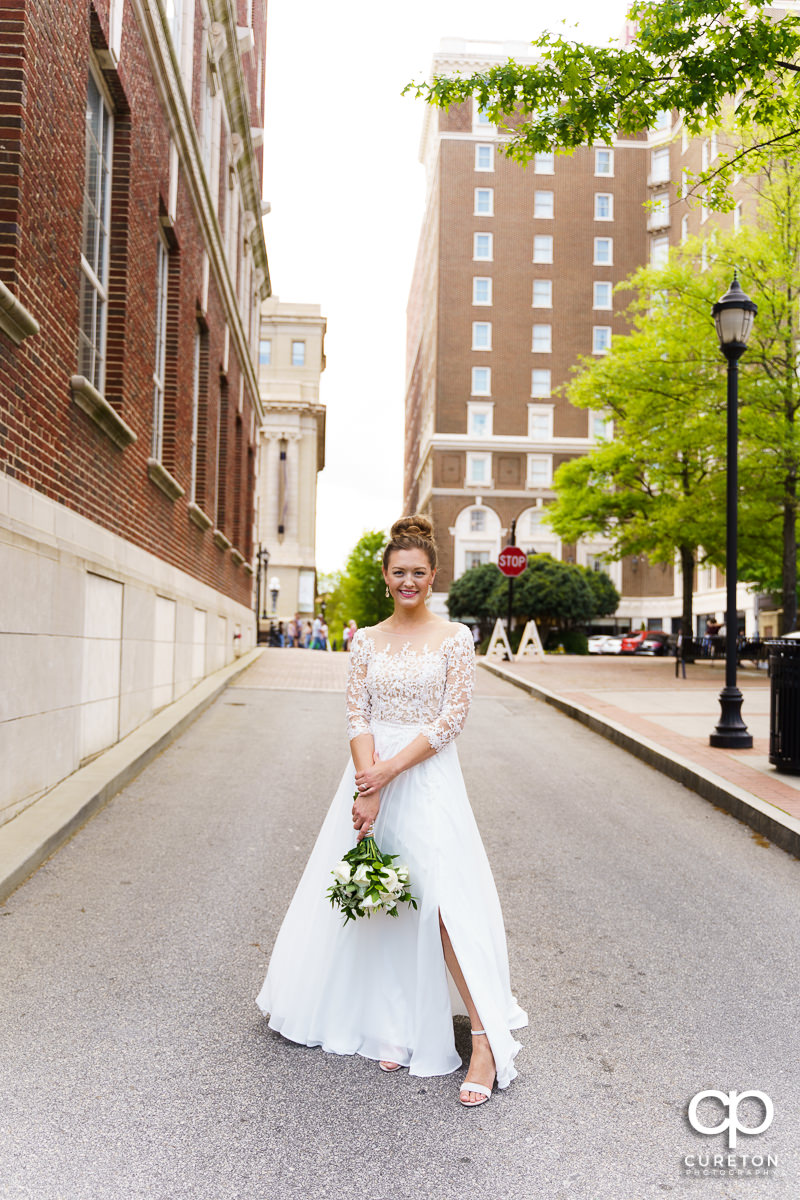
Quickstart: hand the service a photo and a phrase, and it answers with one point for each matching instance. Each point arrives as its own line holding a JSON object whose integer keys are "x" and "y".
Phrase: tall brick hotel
{"x": 513, "y": 282}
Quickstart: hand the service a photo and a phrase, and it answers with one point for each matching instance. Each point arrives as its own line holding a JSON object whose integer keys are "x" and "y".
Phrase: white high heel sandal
{"x": 475, "y": 1087}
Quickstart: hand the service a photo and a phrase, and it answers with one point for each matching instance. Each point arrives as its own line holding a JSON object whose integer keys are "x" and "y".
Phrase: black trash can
{"x": 784, "y": 708}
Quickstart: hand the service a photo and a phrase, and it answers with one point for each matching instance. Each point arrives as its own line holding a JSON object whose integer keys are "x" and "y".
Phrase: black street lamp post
{"x": 733, "y": 315}
{"x": 262, "y": 558}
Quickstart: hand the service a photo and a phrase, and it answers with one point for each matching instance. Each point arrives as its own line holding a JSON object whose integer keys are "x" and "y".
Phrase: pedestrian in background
{"x": 349, "y": 633}
{"x": 316, "y": 642}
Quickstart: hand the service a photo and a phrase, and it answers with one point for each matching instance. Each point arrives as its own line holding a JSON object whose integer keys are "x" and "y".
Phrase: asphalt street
{"x": 653, "y": 942}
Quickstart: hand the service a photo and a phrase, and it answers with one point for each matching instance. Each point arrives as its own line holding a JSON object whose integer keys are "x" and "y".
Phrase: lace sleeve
{"x": 458, "y": 692}
{"x": 358, "y": 701}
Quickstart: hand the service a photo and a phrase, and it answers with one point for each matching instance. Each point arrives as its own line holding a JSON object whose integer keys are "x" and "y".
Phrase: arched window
{"x": 535, "y": 536}
{"x": 477, "y": 538}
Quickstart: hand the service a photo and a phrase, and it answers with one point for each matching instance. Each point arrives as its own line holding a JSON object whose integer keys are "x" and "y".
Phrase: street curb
{"x": 38, "y": 831}
{"x": 779, "y": 827}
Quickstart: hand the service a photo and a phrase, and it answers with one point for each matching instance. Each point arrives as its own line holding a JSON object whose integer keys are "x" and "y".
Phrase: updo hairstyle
{"x": 411, "y": 533}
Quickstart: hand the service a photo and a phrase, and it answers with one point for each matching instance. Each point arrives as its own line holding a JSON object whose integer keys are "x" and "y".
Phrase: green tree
{"x": 361, "y": 594}
{"x": 659, "y": 487}
{"x": 654, "y": 488}
{"x": 469, "y": 595}
{"x": 606, "y": 596}
{"x": 712, "y": 60}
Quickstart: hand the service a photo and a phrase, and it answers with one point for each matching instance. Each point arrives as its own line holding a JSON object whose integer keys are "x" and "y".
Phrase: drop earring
{"x": 430, "y": 591}
{"x": 387, "y": 591}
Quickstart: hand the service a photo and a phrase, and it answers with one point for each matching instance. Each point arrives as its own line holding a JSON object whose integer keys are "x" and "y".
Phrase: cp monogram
{"x": 731, "y": 1101}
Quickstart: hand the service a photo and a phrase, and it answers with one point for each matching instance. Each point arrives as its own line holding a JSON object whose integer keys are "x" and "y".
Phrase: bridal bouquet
{"x": 368, "y": 881}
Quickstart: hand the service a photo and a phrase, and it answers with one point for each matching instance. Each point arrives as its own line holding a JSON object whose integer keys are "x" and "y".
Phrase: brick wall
{"x": 46, "y": 441}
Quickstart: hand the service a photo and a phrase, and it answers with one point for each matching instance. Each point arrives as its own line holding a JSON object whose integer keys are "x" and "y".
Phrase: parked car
{"x": 605, "y": 643}
{"x": 632, "y": 641}
{"x": 655, "y": 641}
{"x": 597, "y": 643}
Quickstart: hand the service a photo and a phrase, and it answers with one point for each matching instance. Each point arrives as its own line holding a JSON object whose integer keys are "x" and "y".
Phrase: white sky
{"x": 347, "y": 191}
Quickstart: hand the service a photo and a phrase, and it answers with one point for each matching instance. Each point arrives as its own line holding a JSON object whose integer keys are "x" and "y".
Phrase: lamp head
{"x": 733, "y": 317}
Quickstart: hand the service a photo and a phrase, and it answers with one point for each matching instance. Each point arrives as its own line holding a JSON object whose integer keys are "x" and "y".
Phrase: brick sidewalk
{"x": 643, "y": 696}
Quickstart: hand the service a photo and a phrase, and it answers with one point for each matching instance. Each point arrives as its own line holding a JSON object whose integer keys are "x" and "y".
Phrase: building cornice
{"x": 504, "y": 444}
{"x": 223, "y": 12}
{"x": 15, "y": 320}
{"x": 167, "y": 77}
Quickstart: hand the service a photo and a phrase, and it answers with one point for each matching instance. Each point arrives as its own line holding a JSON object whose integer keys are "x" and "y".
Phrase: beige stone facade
{"x": 291, "y": 453}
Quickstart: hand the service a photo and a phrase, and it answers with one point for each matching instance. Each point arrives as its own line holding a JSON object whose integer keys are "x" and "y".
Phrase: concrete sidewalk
{"x": 639, "y": 704}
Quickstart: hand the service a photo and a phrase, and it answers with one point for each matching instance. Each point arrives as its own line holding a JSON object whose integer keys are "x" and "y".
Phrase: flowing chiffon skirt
{"x": 379, "y": 986}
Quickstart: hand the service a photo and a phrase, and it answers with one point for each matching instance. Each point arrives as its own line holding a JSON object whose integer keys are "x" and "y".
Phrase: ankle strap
{"x": 477, "y": 1031}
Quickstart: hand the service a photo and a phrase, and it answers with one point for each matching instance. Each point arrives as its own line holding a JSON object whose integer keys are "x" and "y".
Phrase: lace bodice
{"x": 391, "y": 681}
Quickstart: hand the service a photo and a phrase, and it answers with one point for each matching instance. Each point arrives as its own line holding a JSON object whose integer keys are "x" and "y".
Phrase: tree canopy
{"x": 712, "y": 60}
{"x": 360, "y": 594}
{"x": 555, "y": 593}
{"x": 658, "y": 487}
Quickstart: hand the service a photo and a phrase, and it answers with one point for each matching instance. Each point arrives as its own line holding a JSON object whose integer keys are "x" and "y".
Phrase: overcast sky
{"x": 347, "y": 193}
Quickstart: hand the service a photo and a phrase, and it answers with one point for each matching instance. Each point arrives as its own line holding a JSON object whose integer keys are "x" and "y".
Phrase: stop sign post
{"x": 512, "y": 561}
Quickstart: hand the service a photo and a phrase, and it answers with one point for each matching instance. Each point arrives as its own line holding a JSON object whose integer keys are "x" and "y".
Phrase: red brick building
{"x": 513, "y": 284}
{"x": 132, "y": 268}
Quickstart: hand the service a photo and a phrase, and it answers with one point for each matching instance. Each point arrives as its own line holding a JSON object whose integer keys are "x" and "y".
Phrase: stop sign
{"x": 512, "y": 560}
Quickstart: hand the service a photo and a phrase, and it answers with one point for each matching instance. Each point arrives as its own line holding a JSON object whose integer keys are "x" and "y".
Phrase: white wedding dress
{"x": 379, "y": 986}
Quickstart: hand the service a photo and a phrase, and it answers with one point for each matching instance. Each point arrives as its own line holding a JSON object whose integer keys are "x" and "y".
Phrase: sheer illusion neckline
{"x": 405, "y": 643}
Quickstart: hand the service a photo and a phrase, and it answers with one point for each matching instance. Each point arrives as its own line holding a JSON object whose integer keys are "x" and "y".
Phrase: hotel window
{"x": 659, "y": 165}
{"x": 265, "y": 352}
{"x": 684, "y": 228}
{"x": 683, "y": 186}
{"x": 162, "y": 286}
{"x": 540, "y": 422}
{"x": 475, "y": 558}
{"x": 542, "y": 342}
{"x": 479, "y": 420}
{"x": 481, "y": 290}
{"x": 659, "y": 213}
{"x": 481, "y": 117}
{"x": 544, "y": 164}
{"x": 481, "y": 335}
{"x": 477, "y": 520}
{"x": 603, "y": 206}
{"x": 484, "y": 157}
{"x": 603, "y": 251}
{"x": 602, "y": 427}
{"x": 298, "y": 354}
{"x": 737, "y": 216}
{"x": 479, "y": 468}
{"x": 543, "y": 204}
{"x": 704, "y": 155}
{"x": 482, "y": 247}
{"x": 172, "y": 11}
{"x": 663, "y": 120}
{"x": 713, "y": 146}
{"x": 542, "y": 293}
{"x": 540, "y": 382}
{"x": 601, "y": 339}
{"x": 540, "y": 470}
{"x": 484, "y": 202}
{"x": 602, "y": 294}
{"x": 96, "y": 228}
{"x": 604, "y": 162}
{"x": 481, "y": 381}
{"x": 543, "y": 248}
{"x": 659, "y": 252}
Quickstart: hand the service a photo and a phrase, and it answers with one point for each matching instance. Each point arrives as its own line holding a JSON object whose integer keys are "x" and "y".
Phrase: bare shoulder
{"x": 457, "y": 629}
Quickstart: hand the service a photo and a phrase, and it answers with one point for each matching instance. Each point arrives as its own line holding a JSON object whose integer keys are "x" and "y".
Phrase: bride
{"x": 378, "y": 987}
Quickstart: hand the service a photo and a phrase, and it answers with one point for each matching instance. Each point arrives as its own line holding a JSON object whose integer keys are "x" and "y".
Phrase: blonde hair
{"x": 411, "y": 533}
